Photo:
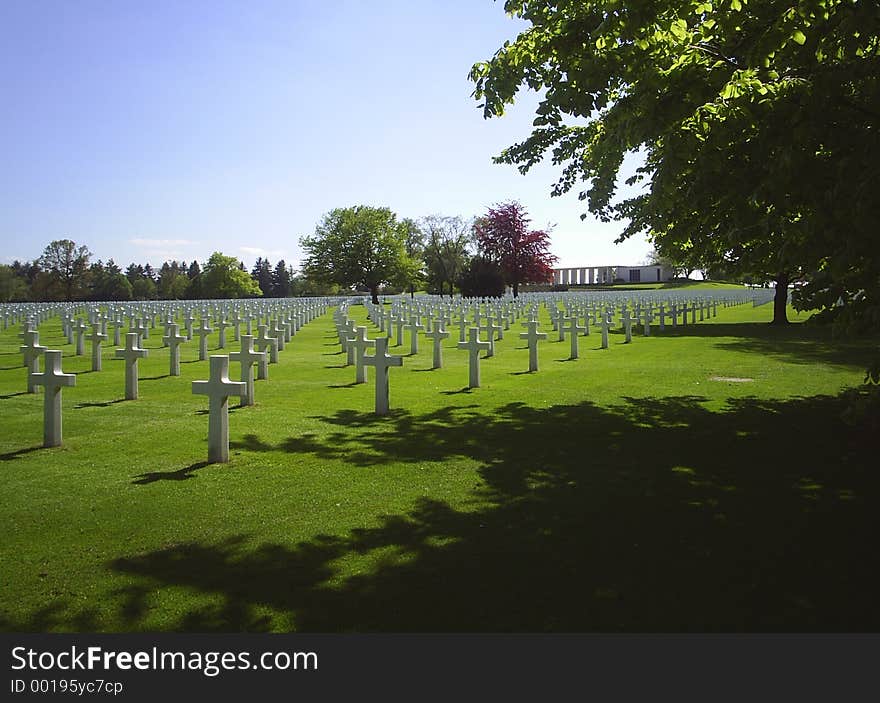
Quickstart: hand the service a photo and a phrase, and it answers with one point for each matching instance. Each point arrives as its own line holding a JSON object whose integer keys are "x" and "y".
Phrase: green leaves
{"x": 679, "y": 29}
{"x": 758, "y": 153}
{"x": 357, "y": 246}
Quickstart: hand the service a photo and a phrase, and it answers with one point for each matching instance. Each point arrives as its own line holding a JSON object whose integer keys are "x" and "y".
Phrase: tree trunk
{"x": 515, "y": 289}
{"x": 780, "y": 301}
{"x": 374, "y": 292}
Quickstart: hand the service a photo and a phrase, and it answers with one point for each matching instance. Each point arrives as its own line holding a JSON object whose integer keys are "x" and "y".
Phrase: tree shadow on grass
{"x": 655, "y": 514}
{"x": 796, "y": 343}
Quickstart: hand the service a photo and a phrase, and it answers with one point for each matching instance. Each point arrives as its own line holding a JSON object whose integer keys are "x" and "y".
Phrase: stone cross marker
{"x": 54, "y": 380}
{"x": 116, "y": 324}
{"x": 400, "y": 321}
{"x": 414, "y": 328}
{"x": 491, "y": 328}
{"x": 627, "y": 327}
{"x": 247, "y": 357}
{"x": 264, "y": 342}
{"x": 383, "y": 361}
{"x": 437, "y": 335}
{"x": 360, "y": 344}
{"x": 81, "y": 328}
{"x": 131, "y": 354}
{"x": 604, "y": 314}
{"x": 218, "y": 389}
{"x": 474, "y": 346}
{"x": 203, "y": 333}
{"x": 462, "y": 327}
{"x": 532, "y": 336}
{"x": 173, "y": 340}
{"x": 140, "y": 327}
{"x": 32, "y": 350}
{"x": 572, "y": 330}
{"x": 96, "y": 338}
{"x": 222, "y": 324}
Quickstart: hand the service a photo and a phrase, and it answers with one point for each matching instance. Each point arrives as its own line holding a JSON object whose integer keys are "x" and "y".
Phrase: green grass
{"x": 626, "y": 490}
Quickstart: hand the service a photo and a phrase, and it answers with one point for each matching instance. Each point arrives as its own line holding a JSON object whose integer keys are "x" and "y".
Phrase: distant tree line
{"x": 66, "y": 272}
{"x": 369, "y": 249}
{"x": 357, "y": 248}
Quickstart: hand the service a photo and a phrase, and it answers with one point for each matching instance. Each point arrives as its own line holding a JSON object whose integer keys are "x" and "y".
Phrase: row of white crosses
{"x": 355, "y": 343}
{"x": 492, "y": 316}
{"x": 53, "y": 379}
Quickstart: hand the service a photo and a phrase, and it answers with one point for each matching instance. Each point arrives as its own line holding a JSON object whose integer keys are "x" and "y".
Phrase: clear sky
{"x": 169, "y": 129}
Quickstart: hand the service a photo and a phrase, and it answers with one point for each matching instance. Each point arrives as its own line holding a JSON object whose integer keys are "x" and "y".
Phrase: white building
{"x": 606, "y": 275}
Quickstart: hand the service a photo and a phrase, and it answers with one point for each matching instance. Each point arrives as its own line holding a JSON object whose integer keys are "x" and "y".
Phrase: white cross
{"x": 247, "y": 357}
{"x": 264, "y": 342}
{"x": 604, "y": 314}
{"x": 173, "y": 340}
{"x": 532, "y": 336}
{"x": 491, "y": 328}
{"x": 462, "y": 325}
{"x": 141, "y": 328}
{"x": 80, "y": 328}
{"x": 32, "y": 350}
{"x": 222, "y": 325}
{"x": 218, "y": 389}
{"x": 400, "y": 321}
{"x": 382, "y": 361}
{"x": 360, "y": 344}
{"x": 54, "y": 380}
{"x": 627, "y": 326}
{"x": 96, "y": 338}
{"x": 203, "y": 333}
{"x": 437, "y": 335}
{"x": 572, "y": 331}
{"x": 131, "y": 354}
{"x": 474, "y": 346}
{"x": 414, "y": 328}
{"x": 277, "y": 332}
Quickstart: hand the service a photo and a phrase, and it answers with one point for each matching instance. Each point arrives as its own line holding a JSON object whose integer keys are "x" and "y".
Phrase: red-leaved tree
{"x": 503, "y": 236}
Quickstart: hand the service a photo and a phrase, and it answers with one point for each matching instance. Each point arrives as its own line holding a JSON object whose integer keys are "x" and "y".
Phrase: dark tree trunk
{"x": 780, "y": 301}
{"x": 374, "y": 292}
{"x": 515, "y": 289}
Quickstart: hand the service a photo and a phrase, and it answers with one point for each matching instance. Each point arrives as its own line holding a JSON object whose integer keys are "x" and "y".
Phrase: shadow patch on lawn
{"x": 9, "y": 456}
{"x": 183, "y": 474}
{"x": 105, "y": 404}
{"x": 796, "y": 343}
{"x": 652, "y": 515}
{"x": 15, "y": 395}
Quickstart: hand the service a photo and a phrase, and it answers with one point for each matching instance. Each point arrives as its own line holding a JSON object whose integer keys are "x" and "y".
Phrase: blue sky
{"x": 157, "y": 130}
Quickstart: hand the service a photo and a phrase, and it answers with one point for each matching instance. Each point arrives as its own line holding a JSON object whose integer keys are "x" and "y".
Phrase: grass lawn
{"x": 629, "y": 490}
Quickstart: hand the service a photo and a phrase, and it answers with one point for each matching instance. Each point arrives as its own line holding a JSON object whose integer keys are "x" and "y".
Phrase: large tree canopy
{"x": 222, "y": 277}
{"x": 357, "y": 246}
{"x": 758, "y": 122}
{"x": 67, "y": 266}
{"x": 446, "y": 250}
